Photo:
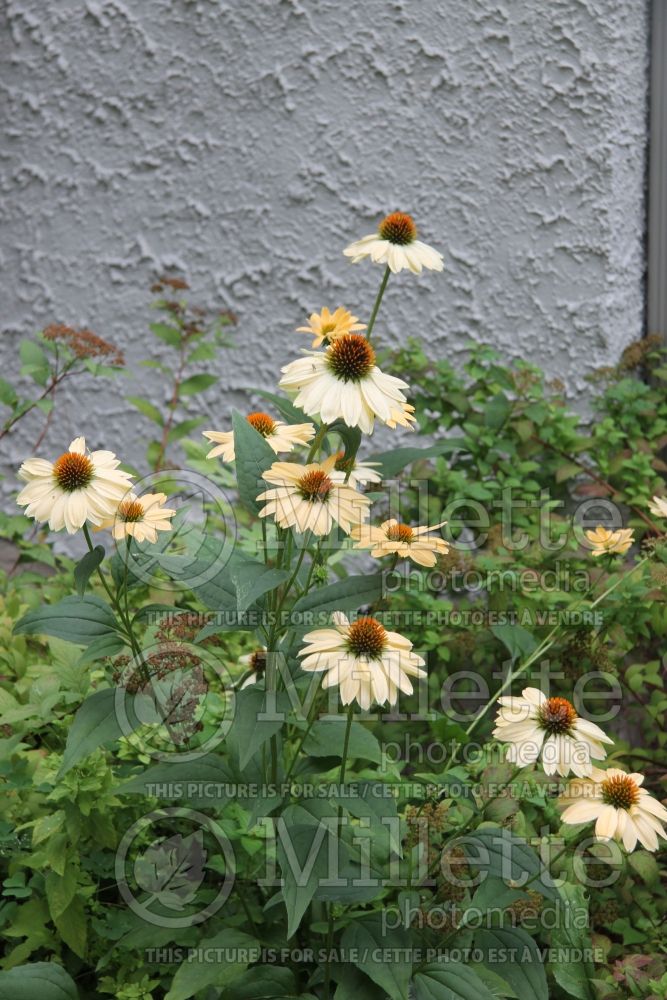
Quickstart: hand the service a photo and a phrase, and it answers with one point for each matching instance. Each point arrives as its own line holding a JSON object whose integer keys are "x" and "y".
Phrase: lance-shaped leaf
{"x": 172, "y": 870}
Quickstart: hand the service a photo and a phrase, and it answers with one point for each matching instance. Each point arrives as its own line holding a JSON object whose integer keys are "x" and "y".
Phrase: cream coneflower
{"x": 658, "y": 506}
{"x": 255, "y": 664}
{"x": 396, "y": 245}
{"x": 368, "y": 663}
{"x": 140, "y": 517}
{"x": 606, "y": 542}
{"x": 79, "y": 486}
{"x": 535, "y": 726}
{"x": 307, "y": 498}
{"x": 357, "y": 473}
{"x": 393, "y": 538}
{"x": 325, "y": 327}
{"x": 621, "y": 808}
{"x": 281, "y": 436}
{"x": 344, "y": 382}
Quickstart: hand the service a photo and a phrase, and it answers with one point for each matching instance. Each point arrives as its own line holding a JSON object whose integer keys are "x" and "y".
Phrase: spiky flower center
{"x": 258, "y": 661}
{"x": 367, "y": 637}
{"x": 398, "y": 228}
{"x": 262, "y": 423}
{"x": 620, "y": 791}
{"x": 315, "y": 486}
{"x": 351, "y": 357}
{"x": 557, "y": 716}
{"x": 400, "y": 533}
{"x": 130, "y": 510}
{"x": 73, "y": 471}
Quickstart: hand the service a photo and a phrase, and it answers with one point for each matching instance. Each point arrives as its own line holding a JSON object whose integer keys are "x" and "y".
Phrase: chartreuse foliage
{"x": 171, "y": 830}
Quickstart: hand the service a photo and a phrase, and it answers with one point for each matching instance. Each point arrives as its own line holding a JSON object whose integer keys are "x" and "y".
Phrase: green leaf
{"x": 497, "y": 411}
{"x": 514, "y": 956}
{"x": 253, "y": 457}
{"x": 392, "y": 462}
{"x": 303, "y": 856}
{"x": 77, "y": 619}
{"x": 185, "y": 427}
{"x": 327, "y": 737}
{"x": 195, "y": 779}
{"x": 7, "y": 393}
{"x": 254, "y": 579}
{"x": 34, "y": 361}
{"x": 73, "y": 927}
{"x": 46, "y": 980}
{"x": 60, "y": 890}
{"x": 374, "y": 802}
{"x": 193, "y": 977}
{"x": 646, "y": 866}
{"x": 370, "y": 940}
{"x": 148, "y": 409}
{"x": 451, "y": 981}
{"x": 286, "y": 409}
{"x": 170, "y": 334}
{"x": 571, "y": 935}
{"x": 263, "y": 982}
{"x": 197, "y": 383}
{"x": 499, "y": 853}
{"x": 344, "y": 595}
{"x": 517, "y": 640}
{"x": 95, "y": 723}
{"x": 250, "y": 731}
{"x": 86, "y": 566}
{"x": 99, "y": 649}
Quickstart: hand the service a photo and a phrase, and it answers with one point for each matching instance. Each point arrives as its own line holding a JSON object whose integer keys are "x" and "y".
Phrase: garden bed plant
{"x": 309, "y": 718}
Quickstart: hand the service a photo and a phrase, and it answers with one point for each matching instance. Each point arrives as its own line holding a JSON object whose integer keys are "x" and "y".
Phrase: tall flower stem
{"x": 123, "y": 613}
{"x": 378, "y": 300}
{"x": 341, "y": 782}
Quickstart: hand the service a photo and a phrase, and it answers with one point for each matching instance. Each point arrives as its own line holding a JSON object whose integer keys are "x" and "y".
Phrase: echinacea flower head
{"x": 393, "y": 538}
{"x": 621, "y": 809}
{"x": 365, "y": 661}
{"x": 344, "y": 382}
{"x": 308, "y": 498}
{"x": 536, "y": 726}
{"x": 255, "y": 664}
{"x": 79, "y": 486}
{"x": 280, "y": 436}
{"x": 396, "y": 245}
{"x": 606, "y": 542}
{"x": 658, "y": 506}
{"x": 355, "y": 473}
{"x": 325, "y": 326}
{"x": 140, "y": 517}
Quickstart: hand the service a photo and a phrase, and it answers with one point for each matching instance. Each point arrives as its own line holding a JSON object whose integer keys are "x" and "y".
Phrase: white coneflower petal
{"x": 396, "y": 245}
{"x": 548, "y": 728}
{"x": 76, "y": 488}
{"x": 325, "y": 327}
{"x": 605, "y": 542}
{"x": 618, "y": 805}
{"x": 392, "y": 538}
{"x": 344, "y": 383}
{"x": 280, "y": 436}
{"x": 364, "y": 660}
{"x": 307, "y": 498}
{"x": 140, "y": 517}
{"x": 658, "y": 506}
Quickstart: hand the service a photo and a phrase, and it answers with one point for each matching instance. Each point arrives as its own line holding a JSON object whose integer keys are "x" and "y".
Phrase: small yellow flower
{"x": 606, "y": 542}
{"x": 392, "y": 537}
{"x": 658, "y": 506}
{"x": 326, "y": 326}
{"x": 140, "y": 517}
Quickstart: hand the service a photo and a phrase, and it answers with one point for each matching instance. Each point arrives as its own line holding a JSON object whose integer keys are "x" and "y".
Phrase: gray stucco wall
{"x": 246, "y": 142}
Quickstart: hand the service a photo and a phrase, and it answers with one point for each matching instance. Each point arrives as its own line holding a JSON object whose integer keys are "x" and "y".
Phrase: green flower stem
{"x": 378, "y": 300}
{"x": 330, "y": 920}
{"x": 317, "y": 442}
{"x": 120, "y": 611}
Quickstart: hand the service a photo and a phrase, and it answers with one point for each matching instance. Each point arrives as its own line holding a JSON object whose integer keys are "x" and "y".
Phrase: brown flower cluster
{"x": 84, "y": 343}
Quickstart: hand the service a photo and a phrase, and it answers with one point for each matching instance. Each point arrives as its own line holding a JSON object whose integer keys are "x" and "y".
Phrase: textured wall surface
{"x": 244, "y": 143}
